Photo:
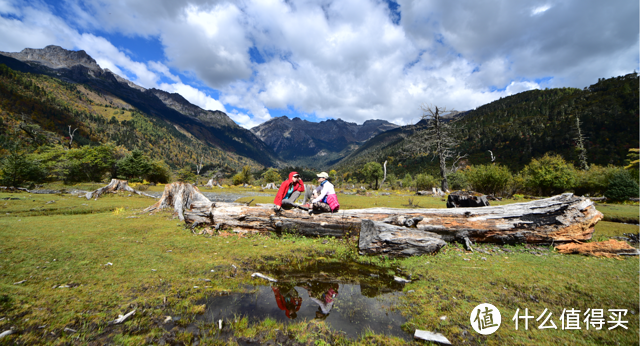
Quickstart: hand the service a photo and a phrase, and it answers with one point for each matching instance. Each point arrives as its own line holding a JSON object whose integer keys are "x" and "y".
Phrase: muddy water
{"x": 349, "y": 297}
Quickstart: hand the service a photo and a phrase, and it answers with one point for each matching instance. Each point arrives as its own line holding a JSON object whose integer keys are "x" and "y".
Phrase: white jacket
{"x": 327, "y": 189}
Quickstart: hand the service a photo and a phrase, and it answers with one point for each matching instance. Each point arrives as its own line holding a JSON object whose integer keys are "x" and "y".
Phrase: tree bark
{"x": 183, "y": 197}
{"x": 378, "y": 238}
{"x": 562, "y": 218}
{"x": 114, "y": 186}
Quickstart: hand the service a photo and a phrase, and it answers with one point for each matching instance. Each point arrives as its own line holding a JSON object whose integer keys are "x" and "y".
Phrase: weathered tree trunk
{"x": 114, "y": 186}
{"x": 378, "y": 238}
{"x": 183, "y": 197}
{"x": 558, "y": 219}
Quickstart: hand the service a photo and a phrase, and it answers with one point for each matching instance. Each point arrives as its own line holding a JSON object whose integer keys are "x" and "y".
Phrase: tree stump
{"x": 114, "y": 186}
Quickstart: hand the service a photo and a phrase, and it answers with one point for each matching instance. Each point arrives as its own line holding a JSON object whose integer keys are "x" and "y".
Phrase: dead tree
{"x": 71, "y": 134}
{"x": 384, "y": 166}
{"x": 199, "y": 165}
{"x": 582, "y": 151}
{"x": 437, "y": 138}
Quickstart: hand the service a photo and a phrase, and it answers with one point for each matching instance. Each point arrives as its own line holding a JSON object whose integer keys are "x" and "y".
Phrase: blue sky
{"x": 349, "y": 59}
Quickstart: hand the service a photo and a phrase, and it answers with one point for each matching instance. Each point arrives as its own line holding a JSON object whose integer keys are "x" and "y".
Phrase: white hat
{"x": 323, "y": 175}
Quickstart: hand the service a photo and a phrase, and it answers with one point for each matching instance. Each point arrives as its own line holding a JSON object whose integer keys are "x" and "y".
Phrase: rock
{"x": 431, "y": 336}
{"x": 466, "y": 199}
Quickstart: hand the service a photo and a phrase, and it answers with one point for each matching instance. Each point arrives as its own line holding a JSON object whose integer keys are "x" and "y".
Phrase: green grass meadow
{"x": 68, "y": 262}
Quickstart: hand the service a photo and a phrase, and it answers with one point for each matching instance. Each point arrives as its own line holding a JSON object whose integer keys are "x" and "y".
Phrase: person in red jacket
{"x": 289, "y": 191}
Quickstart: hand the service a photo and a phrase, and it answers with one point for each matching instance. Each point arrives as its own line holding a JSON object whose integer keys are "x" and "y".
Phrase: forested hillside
{"x": 525, "y": 126}
{"x": 41, "y": 108}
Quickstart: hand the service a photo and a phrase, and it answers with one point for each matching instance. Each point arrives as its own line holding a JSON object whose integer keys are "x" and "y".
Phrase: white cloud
{"x": 540, "y": 9}
{"x": 243, "y": 119}
{"x": 345, "y": 59}
{"x": 194, "y": 96}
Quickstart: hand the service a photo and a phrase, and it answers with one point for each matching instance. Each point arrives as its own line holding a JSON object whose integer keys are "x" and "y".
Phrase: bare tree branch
{"x": 437, "y": 137}
{"x": 71, "y": 134}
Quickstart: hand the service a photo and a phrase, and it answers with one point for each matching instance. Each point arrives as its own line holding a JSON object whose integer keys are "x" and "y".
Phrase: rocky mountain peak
{"x": 56, "y": 57}
{"x": 332, "y": 138}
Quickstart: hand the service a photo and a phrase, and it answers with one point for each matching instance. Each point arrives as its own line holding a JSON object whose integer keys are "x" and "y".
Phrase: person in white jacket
{"x": 327, "y": 201}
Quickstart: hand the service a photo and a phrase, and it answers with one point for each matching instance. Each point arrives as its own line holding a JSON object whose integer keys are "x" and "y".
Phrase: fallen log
{"x": 609, "y": 248}
{"x": 559, "y": 219}
{"x": 114, "y": 186}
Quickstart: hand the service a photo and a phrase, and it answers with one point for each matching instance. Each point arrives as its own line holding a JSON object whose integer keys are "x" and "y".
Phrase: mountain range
{"x": 305, "y": 143}
{"x": 54, "y": 89}
{"x": 270, "y": 144}
{"x": 523, "y": 126}
{"x": 214, "y": 128}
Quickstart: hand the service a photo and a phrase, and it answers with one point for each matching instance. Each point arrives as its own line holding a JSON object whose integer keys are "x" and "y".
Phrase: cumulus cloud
{"x": 193, "y": 95}
{"x": 355, "y": 59}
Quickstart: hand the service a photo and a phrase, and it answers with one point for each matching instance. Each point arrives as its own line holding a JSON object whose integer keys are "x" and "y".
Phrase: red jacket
{"x": 299, "y": 186}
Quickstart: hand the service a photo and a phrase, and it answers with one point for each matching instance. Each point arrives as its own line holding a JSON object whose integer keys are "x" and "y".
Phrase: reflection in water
{"x": 350, "y": 299}
{"x": 349, "y": 311}
{"x": 323, "y": 295}
{"x": 289, "y": 302}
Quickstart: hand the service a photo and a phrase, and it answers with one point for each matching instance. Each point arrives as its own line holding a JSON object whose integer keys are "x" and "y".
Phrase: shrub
{"x": 489, "y": 179}
{"x": 392, "y": 180}
{"x": 159, "y": 172}
{"x": 272, "y": 176}
{"x": 425, "y": 181}
{"x": 407, "y": 181}
{"x": 16, "y": 169}
{"x": 134, "y": 166}
{"x": 458, "y": 181}
{"x": 185, "y": 175}
{"x": 243, "y": 177}
{"x": 549, "y": 175}
{"x": 621, "y": 186}
{"x": 594, "y": 181}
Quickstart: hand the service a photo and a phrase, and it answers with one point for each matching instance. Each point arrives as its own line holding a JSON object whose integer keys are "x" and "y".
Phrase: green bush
{"x": 458, "y": 181}
{"x": 621, "y": 186}
{"x": 272, "y": 176}
{"x": 549, "y": 175}
{"x": 243, "y": 177}
{"x": 425, "y": 182}
{"x": 392, "y": 180}
{"x": 594, "y": 181}
{"x": 18, "y": 169}
{"x": 159, "y": 172}
{"x": 489, "y": 179}
{"x": 407, "y": 181}
{"x": 185, "y": 175}
{"x": 134, "y": 167}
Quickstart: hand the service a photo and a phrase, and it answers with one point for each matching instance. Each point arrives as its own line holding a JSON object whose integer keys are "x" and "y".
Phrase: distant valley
{"x": 318, "y": 145}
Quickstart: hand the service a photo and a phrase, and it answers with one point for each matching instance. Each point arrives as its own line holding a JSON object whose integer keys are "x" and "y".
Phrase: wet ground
{"x": 349, "y": 297}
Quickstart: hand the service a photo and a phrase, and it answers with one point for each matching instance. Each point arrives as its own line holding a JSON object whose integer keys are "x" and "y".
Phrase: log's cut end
{"x": 378, "y": 238}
